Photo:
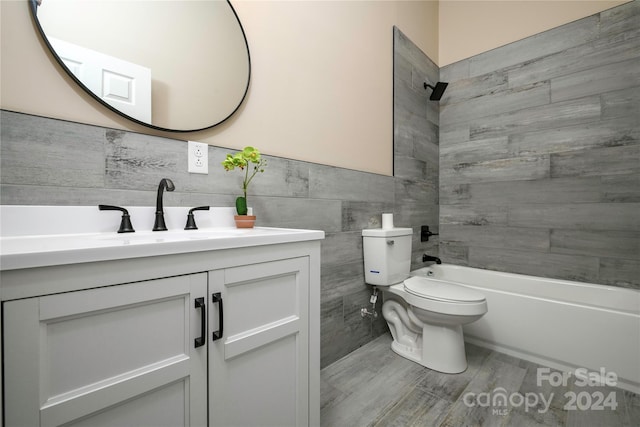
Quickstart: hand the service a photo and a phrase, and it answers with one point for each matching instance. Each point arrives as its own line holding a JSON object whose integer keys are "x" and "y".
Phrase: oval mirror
{"x": 178, "y": 66}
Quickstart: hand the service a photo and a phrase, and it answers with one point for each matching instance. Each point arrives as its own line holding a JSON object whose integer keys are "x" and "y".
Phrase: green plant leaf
{"x": 241, "y": 205}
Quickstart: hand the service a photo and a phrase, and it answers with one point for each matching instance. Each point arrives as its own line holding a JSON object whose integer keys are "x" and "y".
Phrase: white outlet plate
{"x": 198, "y": 157}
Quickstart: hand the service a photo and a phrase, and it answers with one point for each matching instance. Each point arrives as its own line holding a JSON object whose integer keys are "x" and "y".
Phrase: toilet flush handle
{"x": 391, "y": 242}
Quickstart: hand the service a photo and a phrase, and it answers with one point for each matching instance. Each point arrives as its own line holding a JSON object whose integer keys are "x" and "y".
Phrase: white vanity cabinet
{"x": 116, "y": 342}
{"x": 259, "y": 369}
{"x": 116, "y": 355}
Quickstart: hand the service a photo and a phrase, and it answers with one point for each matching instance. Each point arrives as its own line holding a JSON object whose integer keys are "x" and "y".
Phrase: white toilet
{"x": 425, "y": 315}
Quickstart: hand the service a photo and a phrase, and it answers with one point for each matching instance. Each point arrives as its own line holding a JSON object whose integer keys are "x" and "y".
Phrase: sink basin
{"x": 148, "y": 237}
{"x": 38, "y": 236}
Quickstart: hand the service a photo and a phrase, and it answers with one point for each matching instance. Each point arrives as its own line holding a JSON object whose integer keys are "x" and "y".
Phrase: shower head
{"x": 438, "y": 90}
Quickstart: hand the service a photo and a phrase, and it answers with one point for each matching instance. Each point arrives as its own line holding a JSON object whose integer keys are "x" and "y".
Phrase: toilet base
{"x": 442, "y": 349}
{"x": 435, "y": 346}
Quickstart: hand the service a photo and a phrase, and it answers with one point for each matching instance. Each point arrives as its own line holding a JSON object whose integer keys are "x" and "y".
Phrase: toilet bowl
{"x": 436, "y": 311}
{"x": 425, "y": 315}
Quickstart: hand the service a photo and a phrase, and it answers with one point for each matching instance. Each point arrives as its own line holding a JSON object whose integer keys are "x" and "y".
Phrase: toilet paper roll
{"x": 387, "y": 221}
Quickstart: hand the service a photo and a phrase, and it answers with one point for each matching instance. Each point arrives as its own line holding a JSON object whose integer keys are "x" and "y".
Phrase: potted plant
{"x": 251, "y": 162}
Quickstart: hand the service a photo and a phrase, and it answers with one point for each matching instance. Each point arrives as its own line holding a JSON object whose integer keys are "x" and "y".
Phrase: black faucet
{"x": 426, "y": 258}
{"x": 165, "y": 183}
{"x": 125, "y": 222}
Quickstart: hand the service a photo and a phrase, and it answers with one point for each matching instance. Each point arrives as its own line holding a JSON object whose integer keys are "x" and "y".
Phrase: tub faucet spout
{"x": 426, "y": 258}
{"x": 165, "y": 184}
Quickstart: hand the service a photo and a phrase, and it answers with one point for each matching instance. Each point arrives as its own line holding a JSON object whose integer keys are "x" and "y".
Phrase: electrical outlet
{"x": 198, "y": 157}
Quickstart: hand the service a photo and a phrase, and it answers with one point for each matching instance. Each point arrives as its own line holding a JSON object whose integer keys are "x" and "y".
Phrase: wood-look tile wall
{"x": 540, "y": 154}
{"x": 539, "y": 172}
{"x": 53, "y": 162}
{"x": 412, "y": 196}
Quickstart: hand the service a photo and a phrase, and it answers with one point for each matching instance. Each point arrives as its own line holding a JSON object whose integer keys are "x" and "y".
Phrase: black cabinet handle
{"x": 217, "y": 298}
{"x": 198, "y": 342}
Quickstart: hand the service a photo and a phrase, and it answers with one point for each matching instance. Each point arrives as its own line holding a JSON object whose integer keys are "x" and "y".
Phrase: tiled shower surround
{"x": 540, "y": 154}
{"x": 537, "y": 171}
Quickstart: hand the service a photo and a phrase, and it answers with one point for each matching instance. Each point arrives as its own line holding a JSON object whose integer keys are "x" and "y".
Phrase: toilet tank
{"x": 387, "y": 255}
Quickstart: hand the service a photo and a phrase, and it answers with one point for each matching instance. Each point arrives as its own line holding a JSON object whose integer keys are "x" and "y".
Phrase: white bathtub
{"x": 557, "y": 323}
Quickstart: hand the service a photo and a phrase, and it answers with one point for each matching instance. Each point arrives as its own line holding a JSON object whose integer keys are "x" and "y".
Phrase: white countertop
{"x": 20, "y": 248}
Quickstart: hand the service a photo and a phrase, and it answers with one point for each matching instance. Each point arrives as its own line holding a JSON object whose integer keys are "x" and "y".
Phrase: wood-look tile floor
{"x": 373, "y": 386}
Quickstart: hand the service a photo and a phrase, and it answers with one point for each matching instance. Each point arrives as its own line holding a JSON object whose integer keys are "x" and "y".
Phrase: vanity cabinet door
{"x": 258, "y": 369}
{"x": 114, "y": 356}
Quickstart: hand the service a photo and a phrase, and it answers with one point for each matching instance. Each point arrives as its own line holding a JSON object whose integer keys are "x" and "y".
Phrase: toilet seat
{"x": 439, "y": 290}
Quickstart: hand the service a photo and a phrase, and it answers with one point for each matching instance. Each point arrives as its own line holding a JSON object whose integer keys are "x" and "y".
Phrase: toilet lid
{"x": 441, "y": 290}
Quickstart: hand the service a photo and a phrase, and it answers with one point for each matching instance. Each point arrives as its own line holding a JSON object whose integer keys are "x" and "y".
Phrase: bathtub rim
{"x": 603, "y": 301}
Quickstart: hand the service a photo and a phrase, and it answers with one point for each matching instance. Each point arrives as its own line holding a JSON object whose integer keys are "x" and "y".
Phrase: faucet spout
{"x": 165, "y": 184}
{"x": 427, "y": 258}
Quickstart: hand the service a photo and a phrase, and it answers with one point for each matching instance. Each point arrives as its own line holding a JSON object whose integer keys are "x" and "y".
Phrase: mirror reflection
{"x": 170, "y": 65}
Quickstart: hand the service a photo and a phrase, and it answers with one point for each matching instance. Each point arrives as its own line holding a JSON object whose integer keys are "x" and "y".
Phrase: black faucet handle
{"x": 125, "y": 222}
{"x": 191, "y": 222}
{"x": 425, "y": 233}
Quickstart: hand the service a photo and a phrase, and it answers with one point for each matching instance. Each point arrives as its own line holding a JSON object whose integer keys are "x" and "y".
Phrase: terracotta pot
{"x": 244, "y": 221}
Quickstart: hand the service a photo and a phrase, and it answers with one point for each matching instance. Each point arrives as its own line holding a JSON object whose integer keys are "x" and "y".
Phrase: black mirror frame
{"x": 33, "y": 5}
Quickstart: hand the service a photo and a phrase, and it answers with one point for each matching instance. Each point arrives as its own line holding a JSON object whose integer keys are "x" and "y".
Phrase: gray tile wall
{"x": 416, "y": 143}
{"x": 412, "y": 196}
{"x": 540, "y": 154}
{"x": 539, "y": 172}
{"x": 53, "y": 162}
